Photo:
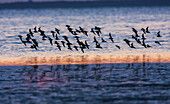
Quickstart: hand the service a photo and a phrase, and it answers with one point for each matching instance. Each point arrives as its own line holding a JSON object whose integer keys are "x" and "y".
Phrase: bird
{"x": 69, "y": 47}
{"x": 132, "y": 46}
{"x": 103, "y": 40}
{"x": 33, "y": 46}
{"x": 76, "y": 48}
{"x": 147, "y": 30}
{"x": 35, "y": 30}
{"x": 138, "y": 41}
{"x": 53, "y": 33}
{"x": 56, "y": 37}
{"x": 157, "y": 42}
{"x": 143, "y": 30}
{"x": 98, "y": 33}
{"x": 74, "y": 33}
{"x": 98, "y": 45}
{"x": 86, "y": 44}
{"x": 95, "y": 40}
{"x": 85, "y": 33}
{"x": 66, "y": 38}
{"x": 158, "y": 34}
{"x": 127, "y": 41}
{"x": 77, "y": 30}
{"x": 59, "y": 47}
{"x": 50, "y": 40}
{"x": 133, "y": 37}
{"x": 143, "y": 43}
{"x": 58, "y": 31}
{"x": 110, "y": 37}
{"x": 24, "y": 42}
{"x": 39, "y": 29}
{"x": 148, "y": 46}
{"x": 136, "y": 32}
{"x": 31, "y": 33}
{"x": 44, "y": 37}
{"x": 82, "y": 49}
{"x": 98, "y": 28}
{"x": 117, "y": 46}
{"x": 35, "y": 42}
{"x": 92, "y": 30}
{"x": 81, "y": 29}
{"x": 20, "y": 36}
{"x": 63, "y": 43}
{"x": 143, "y": 37}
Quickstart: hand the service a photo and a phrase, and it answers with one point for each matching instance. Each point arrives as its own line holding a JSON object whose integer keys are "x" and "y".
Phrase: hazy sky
{"x": 7, "y": 1}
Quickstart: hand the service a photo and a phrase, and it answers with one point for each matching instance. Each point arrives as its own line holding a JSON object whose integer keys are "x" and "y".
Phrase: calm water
{"x": 75, "y": 84}
{"x": 90, "y": 83}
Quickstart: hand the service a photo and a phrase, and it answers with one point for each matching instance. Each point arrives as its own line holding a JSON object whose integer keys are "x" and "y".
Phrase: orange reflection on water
{"x": 86, "y": 59}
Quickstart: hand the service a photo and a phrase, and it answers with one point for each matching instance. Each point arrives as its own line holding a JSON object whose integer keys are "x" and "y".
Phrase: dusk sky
{"x": 7, "y": 1}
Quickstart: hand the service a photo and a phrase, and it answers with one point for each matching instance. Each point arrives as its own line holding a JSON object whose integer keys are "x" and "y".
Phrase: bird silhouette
{"x": 147, "y": 30}
{"x": 117, "y": 46}
{"x": 85, "y": 33}
{"x": 24, "y": 42}
{"x": 98, "y": 45}
{"x": 92, "y": 30}
{"x": 77, "y": 30}
{"x": 143, "y": 37}
{"x": 157, "y": 42}
{"x": 56, "y": 37}
{"x": 63, "y": 43}
{"x": 35, "y": 30}
{"x": 76, "y": 48}
{"x": 82, "y": 48}
{"x": 133, "y": 37}
{"x": 98, "y": 29}
{"x": 136, "y": 32}
{"x": 95, "y": 40}
{"x": 53, "y": 33}
{"x": 33, "y": 46}
{"x": 138, "y": 41}
{"x": 143, "y": 43}
{"x": 39, "y": 29}
{"x": 66, "y": 38}
{"x": 148, "y": 46}
{"x": 143, "y": 30}
{"x": 81, "y": 29}
{"x": 74, "y": 33}
{"x": 20, "y": 36}
{"x": 110, "y": 37}
{"x": 69, "y": 47}
{"x": 58, "y": 31}
{"x": 51, "y": 40}
{"x": 103, "y": 40}
{"x": 35, "y": 42}
{"x": 132, "y": 46}
{"x": 86, "y": 44}
{"x": 44, "y": 37}
{"x": 158, "y": 34}
{"x": 127, "y": 41}
{"x": 31, "y": 33}
{"x": 98, "y": 33}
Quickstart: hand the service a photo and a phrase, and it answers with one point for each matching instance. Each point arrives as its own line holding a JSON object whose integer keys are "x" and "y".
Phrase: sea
{"x": 103, "y": 75}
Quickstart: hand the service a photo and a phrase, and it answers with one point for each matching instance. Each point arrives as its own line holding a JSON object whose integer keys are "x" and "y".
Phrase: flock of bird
{"x": 82, "y": 44}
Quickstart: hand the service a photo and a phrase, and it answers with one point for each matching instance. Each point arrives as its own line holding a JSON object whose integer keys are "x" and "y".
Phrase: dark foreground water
{"x": 75, "y": 84}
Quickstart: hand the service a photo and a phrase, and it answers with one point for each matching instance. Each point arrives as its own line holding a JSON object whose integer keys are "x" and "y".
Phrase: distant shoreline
{"x": 84, "y": 4}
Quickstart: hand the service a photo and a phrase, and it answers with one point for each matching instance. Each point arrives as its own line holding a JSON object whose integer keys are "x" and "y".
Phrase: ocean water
{"x": 117, "y": 21}
{"x": 82, "y": 84}
{"x": 108, "y": 75}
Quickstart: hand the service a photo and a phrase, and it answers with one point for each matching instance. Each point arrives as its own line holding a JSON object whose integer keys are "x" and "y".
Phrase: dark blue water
{"x": 94, "y": 84}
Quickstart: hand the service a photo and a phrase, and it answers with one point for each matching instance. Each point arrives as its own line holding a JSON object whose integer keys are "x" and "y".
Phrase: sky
{"x": 9, "y": 1}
